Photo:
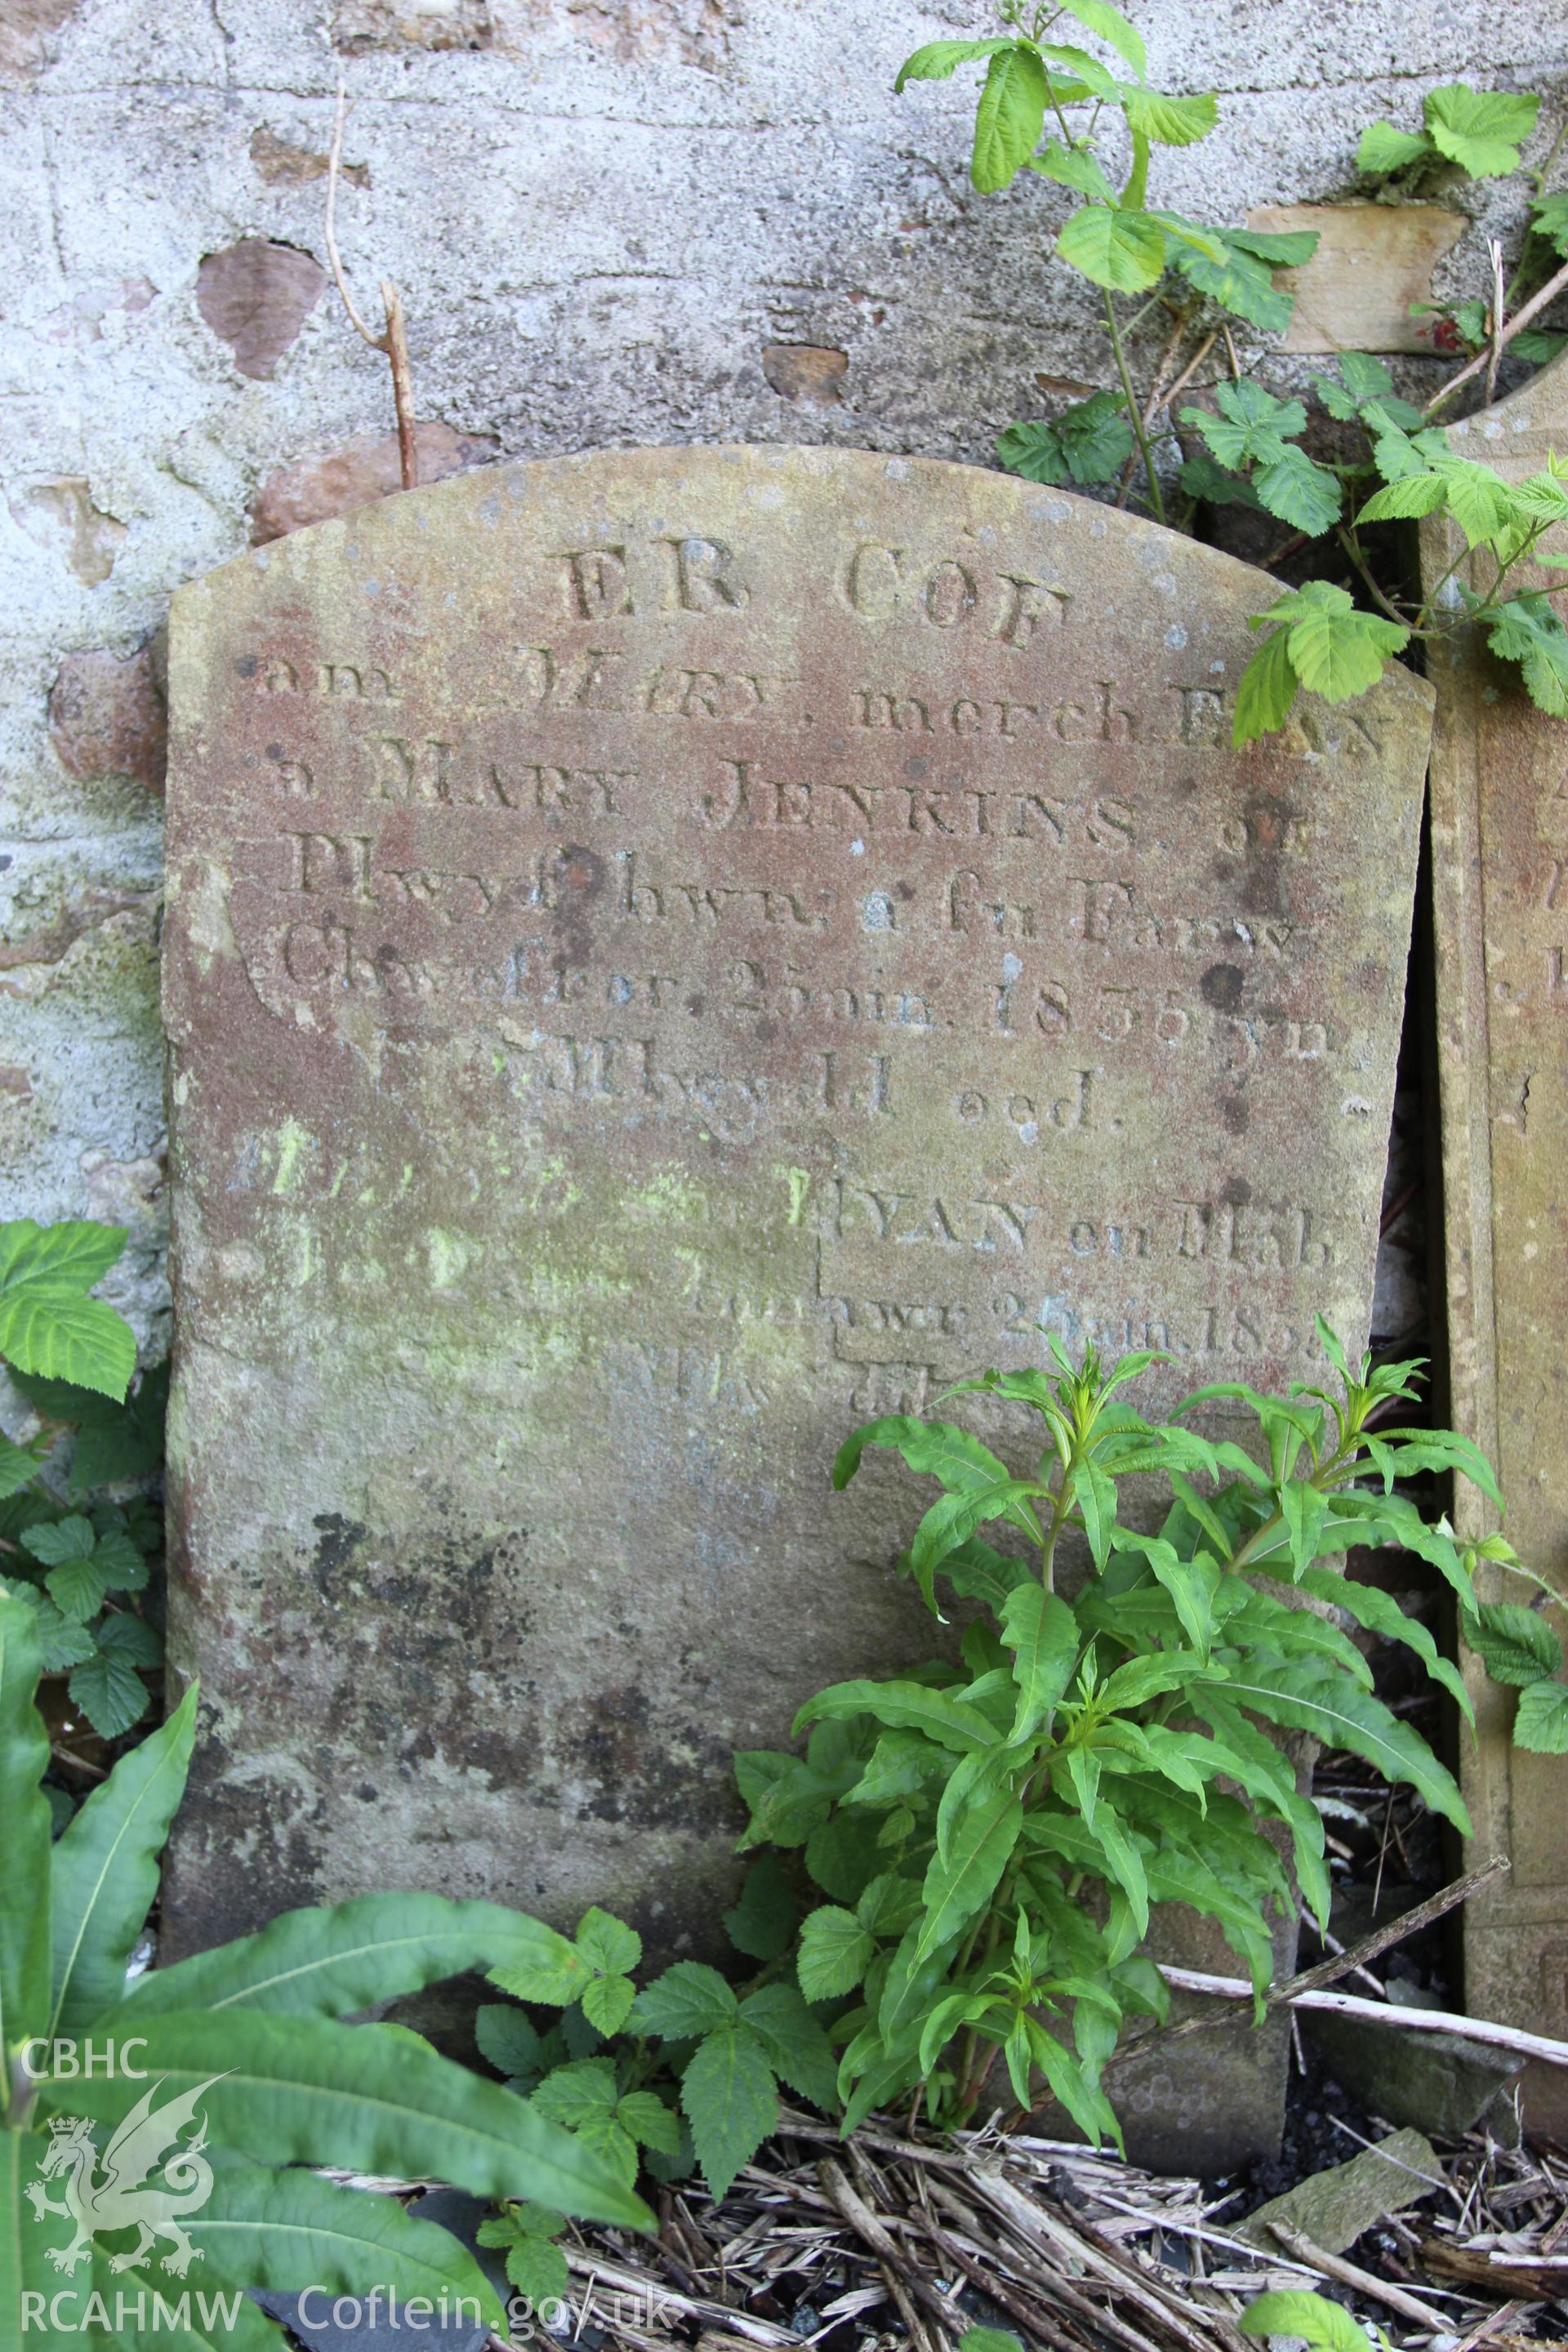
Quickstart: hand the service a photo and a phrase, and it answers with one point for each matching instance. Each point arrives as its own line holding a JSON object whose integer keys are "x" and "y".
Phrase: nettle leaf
{"x": 938, "y": 60}
{"x": 1541, "y": 1722}
{"x": 731, "y": 2101}
{"x": 1384, "y": 149}
{"x": 1298, "y": 491}
{"x": 48, "y": 1324}
{"x": 1514, "y": 1644}
{"x": 1480, "y": 130}
{"x": 1010, "y": 116}
{"x": 1528, "y": 630}
{"x": 1170, "y": 122}
{"x": 1124, "y": 252}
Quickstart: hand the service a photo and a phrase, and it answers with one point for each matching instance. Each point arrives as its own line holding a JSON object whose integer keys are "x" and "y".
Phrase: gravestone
{"x": 1500, "y": 840}
{"x": 671, "y": 952}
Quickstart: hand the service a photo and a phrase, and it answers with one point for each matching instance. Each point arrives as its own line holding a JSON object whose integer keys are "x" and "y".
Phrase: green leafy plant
{"x": 1522, "y": 1650}
{"x": 81, "y": 1560}
{"x": 1114, "y": 237}
{"x": 686, "y": 2070}
{"x": 1050, "y": 106}
{"x": 993, "y": 1830}
{"x": 1311, "y": 2319}
{"x": 246, "y": 2042}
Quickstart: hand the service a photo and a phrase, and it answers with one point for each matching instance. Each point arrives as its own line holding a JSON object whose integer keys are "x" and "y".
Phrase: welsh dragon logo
{"x": 124, "y": 2196}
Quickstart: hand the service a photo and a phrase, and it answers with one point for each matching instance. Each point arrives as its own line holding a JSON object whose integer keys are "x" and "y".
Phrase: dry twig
{"x": 392, "y": 342}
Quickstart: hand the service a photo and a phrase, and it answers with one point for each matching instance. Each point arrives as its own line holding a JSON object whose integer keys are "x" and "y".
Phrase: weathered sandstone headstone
{"x": 671, "y": 952}
{"x": 1499, "y": 839}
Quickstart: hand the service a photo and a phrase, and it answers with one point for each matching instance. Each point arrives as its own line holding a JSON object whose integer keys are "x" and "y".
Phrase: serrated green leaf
{"x": 762, "y": 1923}
{"x": 19, "y": 1464}
{"x": 1123, "y": 251}
{"x": 1528, "y": 630}
{"x": 1381, "y": 1614}
{"x": 1480, "y": 130}
{"x": 688, "y": 1999}
{"x": 110, "y": 1693}
{"x": 938, "y": 60}
{"x": 797, "y": 2048}
{"x": 1009, "y": 118}
{"x": 1033, "y": 450}
{"x": 48, "y": 1325}
{"x": 1238, "y": 282}
{"x": 509, "y": 2038}
{"x": 607, "y": 2003}
{"x": 1540, "y": 1721}
{"x": 59, "y": 1543}
{"x": 1298, "y": 491}
{"x": 731, "y": 2103}
{"x": 1384, "y": 149}
{"x": 1072, "y": 167}
{"x": 1405, "y": 498}
{"x": 607, "y": 1943}
{"x": 1548, "y": 218}
{"x": 1265, "y": 692}
{"x": 1110, "y": 26}
{"x": 834, "y": 1953}
{"x": 1170, "y": 122}
{"x": 1514, "y": 1644}
{"x": 1281, "y": 249}
{"x": 1336, "y": 651}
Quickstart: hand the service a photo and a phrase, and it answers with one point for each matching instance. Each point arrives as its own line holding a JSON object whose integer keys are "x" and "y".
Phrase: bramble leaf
{"x": 1321, "y": 2325}
{"x": 1384, "y": 149}
{"x": 1010, "y": 116}
{"x": 1529, "y": 631}
{"x": 48, "y": 1324}
{"x": 1170, "y": 122}
{"x": 1298, "y": 491}
{"x": 938, "y": 60}
{"x": 1336, "y": 650}
{"x": 1480, "y": 130}
{"x": 1514, "y": 1644}
{"x": 731, "y": 2101}
{"x": 1541, "y": 1722}
{"x": 1123, "y": 251}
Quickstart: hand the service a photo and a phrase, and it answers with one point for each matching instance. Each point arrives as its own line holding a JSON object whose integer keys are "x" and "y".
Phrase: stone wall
{"x": 611, "y": 221}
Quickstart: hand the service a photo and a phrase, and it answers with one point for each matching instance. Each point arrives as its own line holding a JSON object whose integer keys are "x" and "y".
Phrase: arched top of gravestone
{"x": 994, "y": 600}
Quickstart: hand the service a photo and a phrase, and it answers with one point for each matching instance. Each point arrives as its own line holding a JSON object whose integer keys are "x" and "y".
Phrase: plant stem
{"x": 1140, "y": 432}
